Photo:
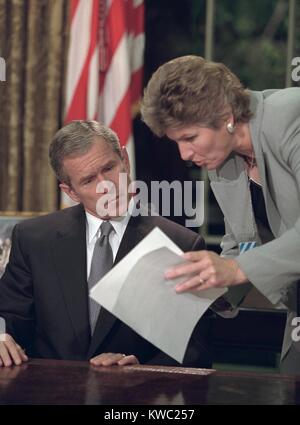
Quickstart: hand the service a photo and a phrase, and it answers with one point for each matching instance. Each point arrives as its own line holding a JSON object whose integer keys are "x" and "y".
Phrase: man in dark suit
{"x": 44, "y": 290}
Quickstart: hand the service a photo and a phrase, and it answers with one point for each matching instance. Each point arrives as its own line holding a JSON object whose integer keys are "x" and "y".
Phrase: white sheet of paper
{"x": 136, "y": 292}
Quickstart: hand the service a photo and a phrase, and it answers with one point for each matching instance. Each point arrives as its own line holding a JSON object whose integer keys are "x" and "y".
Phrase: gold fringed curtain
{"x": 33, "y": 41}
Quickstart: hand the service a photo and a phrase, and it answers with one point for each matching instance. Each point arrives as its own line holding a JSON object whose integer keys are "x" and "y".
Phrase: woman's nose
{"x": 186, "y": 152}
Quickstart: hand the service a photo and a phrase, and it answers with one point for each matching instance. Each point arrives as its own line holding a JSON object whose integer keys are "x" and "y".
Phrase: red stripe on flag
{"x": 78, "y": 106}
{"x": 115, "y": 27}
{"x": 73, "y": 8}
{"x": 136, "y": 85}
{"x": 136, "y": 19}
{"x": 122, "y": 122}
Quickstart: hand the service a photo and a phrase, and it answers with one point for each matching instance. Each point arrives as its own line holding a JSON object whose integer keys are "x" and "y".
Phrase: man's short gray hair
{"x": 75, "y": 139}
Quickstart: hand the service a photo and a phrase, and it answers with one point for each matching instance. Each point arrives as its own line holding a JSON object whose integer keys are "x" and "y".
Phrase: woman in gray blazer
{"x": 250, "y": 144}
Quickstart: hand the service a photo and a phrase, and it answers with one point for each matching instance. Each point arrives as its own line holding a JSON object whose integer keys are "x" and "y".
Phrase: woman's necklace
{"x": 251, "y": 162}
{"x": 252, "y": 170}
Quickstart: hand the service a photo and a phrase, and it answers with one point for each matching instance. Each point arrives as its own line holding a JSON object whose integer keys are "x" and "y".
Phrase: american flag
{"x": 105, "y": 64}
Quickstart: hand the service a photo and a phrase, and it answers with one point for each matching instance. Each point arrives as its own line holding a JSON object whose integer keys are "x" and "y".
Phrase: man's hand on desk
{"x": 10, "y": 352}
{"x": 110, "y": 359}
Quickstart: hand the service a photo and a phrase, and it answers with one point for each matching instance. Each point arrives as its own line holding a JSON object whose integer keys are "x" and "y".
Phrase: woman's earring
{"x": 230, "y": 128}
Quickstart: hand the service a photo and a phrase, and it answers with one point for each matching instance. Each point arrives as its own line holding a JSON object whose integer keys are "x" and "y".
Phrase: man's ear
{"x": 69, "y": 191}
{"x": 125, "y": 158}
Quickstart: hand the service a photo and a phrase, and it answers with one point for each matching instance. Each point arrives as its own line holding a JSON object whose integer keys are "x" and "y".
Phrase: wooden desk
{"x": 69, "y": 382}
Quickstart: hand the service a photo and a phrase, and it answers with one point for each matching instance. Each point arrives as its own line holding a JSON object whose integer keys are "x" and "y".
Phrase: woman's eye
{"x": 190, "y": 139}
{"x": 88, "y": 181}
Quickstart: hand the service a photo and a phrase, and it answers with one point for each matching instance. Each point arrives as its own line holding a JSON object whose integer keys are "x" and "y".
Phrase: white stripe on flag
{"x": 136, "y": 51}
{"x": 93, "y": 86}
{"x": 116, "y": 82}
{"x": 131, "y": 155}
{"x": 79, "y": 45}
{"x": 137, "y": 3}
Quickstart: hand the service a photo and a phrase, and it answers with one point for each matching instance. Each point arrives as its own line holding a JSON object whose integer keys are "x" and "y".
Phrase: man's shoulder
{"x": 51, "y": 221}
{"x": 183, "y": 237}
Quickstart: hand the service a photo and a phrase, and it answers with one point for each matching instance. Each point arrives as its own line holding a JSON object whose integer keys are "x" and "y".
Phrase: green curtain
{"x": 33, "y": 41}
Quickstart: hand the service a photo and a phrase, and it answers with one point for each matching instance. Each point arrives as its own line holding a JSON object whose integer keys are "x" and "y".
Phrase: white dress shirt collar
{"x": 119, "y": 224}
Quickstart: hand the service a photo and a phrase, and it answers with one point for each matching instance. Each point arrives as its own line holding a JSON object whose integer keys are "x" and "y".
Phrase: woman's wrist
{"x": 238, "y": 274}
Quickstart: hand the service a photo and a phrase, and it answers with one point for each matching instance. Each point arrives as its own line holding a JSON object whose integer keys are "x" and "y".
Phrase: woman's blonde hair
{"x": 190, "y": 90}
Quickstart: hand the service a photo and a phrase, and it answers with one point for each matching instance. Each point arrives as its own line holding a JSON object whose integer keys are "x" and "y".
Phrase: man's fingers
{"x": 14, "y": 352}
{"x": 98, "y": 360}
{"x": 114, "y": 359}
{"x": 128, "y": 360}
{"x": 5, "y": 356}
{"x": 10, "y": 352}
{"x": 110, "y": 359}
{"x": 22, "y": 353}
{"x": 106, "y": 359}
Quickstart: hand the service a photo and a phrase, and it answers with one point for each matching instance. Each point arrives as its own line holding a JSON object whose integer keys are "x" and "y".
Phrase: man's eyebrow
{"x": 110, "y": 162}
{"x": 84, "y": 178}
{"x": 91, "y": 175}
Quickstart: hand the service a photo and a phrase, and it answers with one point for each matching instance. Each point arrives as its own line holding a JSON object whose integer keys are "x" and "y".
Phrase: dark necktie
{"x": 102, "y": 262}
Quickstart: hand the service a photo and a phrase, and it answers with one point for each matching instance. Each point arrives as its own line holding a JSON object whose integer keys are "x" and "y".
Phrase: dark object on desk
{"x": 253, "y": 337}
{"x": 71, "y": 382}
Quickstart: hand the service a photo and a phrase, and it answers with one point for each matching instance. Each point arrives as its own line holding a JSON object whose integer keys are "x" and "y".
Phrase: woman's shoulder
{"x": 288, "y": 98}
{"x": 280, "y": 123}
{"x": 281, "y": 111}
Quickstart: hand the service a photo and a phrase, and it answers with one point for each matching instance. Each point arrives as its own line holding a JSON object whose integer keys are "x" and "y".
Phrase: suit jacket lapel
{"x": 137, "y": 228}
{"x": 135, "y": 231}
{"x": 276, "y": 224}
{"x": 70, "y": 260}
{"x": 257, "y": 105}
{"x": 231, "y": 182}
